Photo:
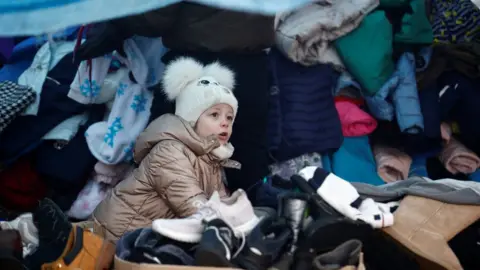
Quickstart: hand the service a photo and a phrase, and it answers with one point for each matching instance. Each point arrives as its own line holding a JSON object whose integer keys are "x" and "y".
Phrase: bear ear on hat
{"x": 221, "y": 73}
{"x": 178, "y": 74}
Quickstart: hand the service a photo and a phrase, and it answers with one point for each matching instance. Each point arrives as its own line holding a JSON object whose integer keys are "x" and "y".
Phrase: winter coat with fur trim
{"x": 176, "y": 170}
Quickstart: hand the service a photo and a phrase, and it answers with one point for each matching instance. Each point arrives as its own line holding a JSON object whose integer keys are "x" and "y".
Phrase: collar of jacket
{"x": 172, "y": 127}
{"x": 210, "y": 158}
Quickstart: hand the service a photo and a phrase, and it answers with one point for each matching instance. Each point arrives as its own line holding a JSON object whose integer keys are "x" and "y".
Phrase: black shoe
{"x": 53, "y": 233}
{"x": 218, "y": 245}
{"x": 265, "y": 244}
{"x": 149, "y": 246}
{"x": 326, "y": 233}
{"x": 346, "y": 254}
{"x": 292, "y": 207}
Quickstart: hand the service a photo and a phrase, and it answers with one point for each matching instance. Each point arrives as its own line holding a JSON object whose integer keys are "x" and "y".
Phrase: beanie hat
{"x": 195, "y": 87}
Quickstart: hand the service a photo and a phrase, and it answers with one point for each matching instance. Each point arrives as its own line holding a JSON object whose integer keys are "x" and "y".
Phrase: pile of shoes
{"x": 305, "y": 233}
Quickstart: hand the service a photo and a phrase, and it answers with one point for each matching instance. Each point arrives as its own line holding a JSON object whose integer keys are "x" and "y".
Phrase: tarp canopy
{"x": 34, "y": 17}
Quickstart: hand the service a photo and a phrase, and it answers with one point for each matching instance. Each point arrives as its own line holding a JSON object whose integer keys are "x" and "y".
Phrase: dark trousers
{"x": 249, "y": 130}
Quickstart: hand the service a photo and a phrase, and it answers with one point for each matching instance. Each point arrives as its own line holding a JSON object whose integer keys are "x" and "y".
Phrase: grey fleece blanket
{"x": 445, "y": 190}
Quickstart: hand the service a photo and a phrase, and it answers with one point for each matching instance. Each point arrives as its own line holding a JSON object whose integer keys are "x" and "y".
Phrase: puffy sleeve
{"x": 222, "y": 191}
{"x": 172, "y": 174}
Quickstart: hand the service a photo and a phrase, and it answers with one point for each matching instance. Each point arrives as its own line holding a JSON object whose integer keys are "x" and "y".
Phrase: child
{"x": 180, "y": 156}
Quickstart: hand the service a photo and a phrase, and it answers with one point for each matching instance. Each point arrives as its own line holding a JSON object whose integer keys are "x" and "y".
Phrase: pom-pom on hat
{"x": 195, "y": 87}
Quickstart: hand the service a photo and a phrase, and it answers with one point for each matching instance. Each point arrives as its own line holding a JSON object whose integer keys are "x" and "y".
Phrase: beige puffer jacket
{"x": 176, "y": 170}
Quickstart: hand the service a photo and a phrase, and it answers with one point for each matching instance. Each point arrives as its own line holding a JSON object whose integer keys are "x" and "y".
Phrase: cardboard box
{"x": 119, "y": 264}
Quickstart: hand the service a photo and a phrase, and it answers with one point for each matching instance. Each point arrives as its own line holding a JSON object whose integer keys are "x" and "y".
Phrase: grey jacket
{"x": 444, "y": 190}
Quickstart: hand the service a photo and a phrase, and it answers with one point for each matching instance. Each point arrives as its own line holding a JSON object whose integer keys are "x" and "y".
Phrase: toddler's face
{"x": 217, "y": 120}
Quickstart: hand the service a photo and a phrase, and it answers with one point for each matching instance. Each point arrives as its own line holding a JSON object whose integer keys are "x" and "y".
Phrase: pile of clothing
{"x": 400, "y": 88}
{"x": 327, "y": 223}
{"x": 361, "y": 144}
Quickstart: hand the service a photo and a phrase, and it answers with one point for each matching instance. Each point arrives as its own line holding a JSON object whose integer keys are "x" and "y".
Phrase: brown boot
{"x": 347, "y": 256}
{"x": 425, "y": 226}
{"x": 84, "y": 250}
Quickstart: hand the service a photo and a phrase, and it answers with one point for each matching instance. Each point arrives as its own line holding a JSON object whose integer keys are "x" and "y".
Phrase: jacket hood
{"x": 172, "y": 127}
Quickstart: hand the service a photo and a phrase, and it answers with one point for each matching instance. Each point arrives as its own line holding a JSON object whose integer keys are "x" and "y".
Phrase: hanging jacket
{"x": 176, "y": 170}
{"x": 185, "y": 27}
{"x": 303, "y": 118}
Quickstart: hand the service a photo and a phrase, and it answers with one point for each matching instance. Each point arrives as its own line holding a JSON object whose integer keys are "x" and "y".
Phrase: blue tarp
{"x": 34, "y": 17}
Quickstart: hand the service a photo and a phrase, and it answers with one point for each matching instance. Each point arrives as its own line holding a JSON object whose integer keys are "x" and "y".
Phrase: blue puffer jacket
{"x": 302, "y": 118}
{"x": 398, "y": 97}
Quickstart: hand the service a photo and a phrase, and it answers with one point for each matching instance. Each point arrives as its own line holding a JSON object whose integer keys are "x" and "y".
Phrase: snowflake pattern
{"x": 114, "y": 128}
{"x": 129, "y": 151}
{"x": 138, "y": 104}
{"x": 121, "y": 89}
{"x": 89, "y": 88}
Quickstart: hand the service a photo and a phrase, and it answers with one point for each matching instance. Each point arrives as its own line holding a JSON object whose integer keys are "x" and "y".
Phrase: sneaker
{"x": 219, "y": 245}
{"x": 154, "y": 248}
{"x": 235, "y": 210}
{"x": 265, "y": 244}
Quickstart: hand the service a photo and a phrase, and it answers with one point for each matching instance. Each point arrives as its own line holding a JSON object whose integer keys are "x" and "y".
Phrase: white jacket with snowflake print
{"x": 111, "y": 141}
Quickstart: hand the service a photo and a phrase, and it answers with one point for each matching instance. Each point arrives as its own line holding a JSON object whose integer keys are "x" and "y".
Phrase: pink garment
{"x": 111, "y": 174}
{"x": 392, "y": 164}
{"x": 88, "y": 199}
{"x": 355, "y": 122}
{"x": 455, "y": 156}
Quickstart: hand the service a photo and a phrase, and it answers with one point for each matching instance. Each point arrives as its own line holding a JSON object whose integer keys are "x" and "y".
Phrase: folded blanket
{"x": 392, "y": 164}
{"x": 355, "y": 122}
{"x": 455, "y": 156}
{"x": 459, "y": 159}
{"x": 304, "y": 34}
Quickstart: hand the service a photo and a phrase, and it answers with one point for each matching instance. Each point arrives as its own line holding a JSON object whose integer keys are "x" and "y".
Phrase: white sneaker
{"x": 236, "y": 210}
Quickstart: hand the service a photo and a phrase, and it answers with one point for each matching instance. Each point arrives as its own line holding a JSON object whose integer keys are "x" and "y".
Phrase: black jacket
{"x": 187, "y": 27}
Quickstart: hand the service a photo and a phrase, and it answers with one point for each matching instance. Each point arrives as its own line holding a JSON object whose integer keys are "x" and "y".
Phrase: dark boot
{"x": 319, "y": 207}
{"x": 329, "y": 228}
{"x": 346, "y": 256}
{"x": 218, "y": 245}
{"x": 327, "y": 233}
{"x": 265, "y": 244}
{"x": 54, "y": 230}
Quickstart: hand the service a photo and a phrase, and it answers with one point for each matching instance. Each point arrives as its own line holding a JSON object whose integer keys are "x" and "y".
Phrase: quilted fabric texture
{"x": 14, "y": 99}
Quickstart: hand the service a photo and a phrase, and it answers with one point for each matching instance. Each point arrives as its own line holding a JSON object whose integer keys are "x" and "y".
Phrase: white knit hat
{"x": 196, "y": 87}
